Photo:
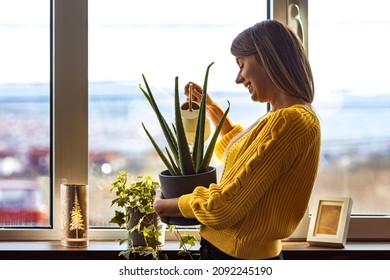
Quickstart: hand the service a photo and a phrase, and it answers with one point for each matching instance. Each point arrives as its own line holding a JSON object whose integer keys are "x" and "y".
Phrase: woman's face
{"x": 253, "y": 76}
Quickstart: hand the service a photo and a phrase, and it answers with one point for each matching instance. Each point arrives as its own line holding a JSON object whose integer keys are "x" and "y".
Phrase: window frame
{"x": 69, "y": 59}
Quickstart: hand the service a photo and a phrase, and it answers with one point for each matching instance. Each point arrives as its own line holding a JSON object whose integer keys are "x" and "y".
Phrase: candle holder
{"x": 74, "y": 215}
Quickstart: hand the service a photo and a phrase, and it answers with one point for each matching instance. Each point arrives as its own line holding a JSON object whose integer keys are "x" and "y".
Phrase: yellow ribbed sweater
{"x": 265, "y": 185}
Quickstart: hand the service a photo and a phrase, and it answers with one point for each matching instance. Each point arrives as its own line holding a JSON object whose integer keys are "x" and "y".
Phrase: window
{"x": 129, "y": 39}
{"x": 353, "y": 99}
{"x": 349, "y": 56}
{"x": 25, "y": 114}
{"x": 352, "y": 105}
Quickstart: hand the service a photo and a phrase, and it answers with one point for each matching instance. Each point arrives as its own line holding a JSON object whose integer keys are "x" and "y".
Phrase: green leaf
{"x": 210, "y": 149}
{"x": 125, "y": 254}
{"x": 175, "y": 169}
{"x": 169, "y": 135}
{"x": 159, "y": 152}
{"x": 185, "y": 159}
{"x": 187, "y": 239}
{"x": 200, "y": 125}
{"x": 119, "y": 218}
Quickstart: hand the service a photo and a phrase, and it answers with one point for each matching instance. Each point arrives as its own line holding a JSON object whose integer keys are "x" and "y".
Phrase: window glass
{"x": 24, "y": 113}
{"x": 162, "y": 40}
{"x": 349, "y": 52}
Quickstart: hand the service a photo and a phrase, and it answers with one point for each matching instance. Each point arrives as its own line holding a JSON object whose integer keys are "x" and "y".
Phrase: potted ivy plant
{"x": 187, "y": 167}
{"x": 135, "y": 213}
{"x": 145, "y": 232}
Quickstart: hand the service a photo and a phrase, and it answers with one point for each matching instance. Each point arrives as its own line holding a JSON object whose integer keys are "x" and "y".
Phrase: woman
{"x": 270, "y": 168}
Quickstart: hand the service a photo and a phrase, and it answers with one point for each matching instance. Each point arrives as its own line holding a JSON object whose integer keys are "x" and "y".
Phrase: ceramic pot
{"x": 175, "y": 186}
{"x": 136, "y": 237}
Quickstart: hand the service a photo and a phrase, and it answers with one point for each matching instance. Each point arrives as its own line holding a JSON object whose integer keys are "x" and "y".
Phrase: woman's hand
{"x": 213, "y": 108}
{"x": 197, "y": 94}
{"x": 166, "y": 207}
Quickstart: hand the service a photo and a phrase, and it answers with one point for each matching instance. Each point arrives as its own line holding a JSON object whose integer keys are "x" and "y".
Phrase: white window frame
{"x": 70, "y": 133}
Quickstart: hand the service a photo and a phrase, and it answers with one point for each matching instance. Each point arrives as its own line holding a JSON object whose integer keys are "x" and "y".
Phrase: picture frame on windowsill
{"x": 329, "y": 222}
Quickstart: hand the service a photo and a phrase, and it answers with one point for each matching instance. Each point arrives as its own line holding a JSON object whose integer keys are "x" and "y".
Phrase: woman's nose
{"x": 239, "y": 79}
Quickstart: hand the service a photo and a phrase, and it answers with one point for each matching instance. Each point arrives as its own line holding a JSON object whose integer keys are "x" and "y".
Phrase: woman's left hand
{"x": 166, "y": 207}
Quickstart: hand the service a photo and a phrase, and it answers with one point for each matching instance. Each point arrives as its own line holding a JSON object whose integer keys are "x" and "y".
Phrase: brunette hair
{"x": 282, "y": 55}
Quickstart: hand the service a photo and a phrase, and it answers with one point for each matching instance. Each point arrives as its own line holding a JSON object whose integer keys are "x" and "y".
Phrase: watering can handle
{"x": 190, "y": 95}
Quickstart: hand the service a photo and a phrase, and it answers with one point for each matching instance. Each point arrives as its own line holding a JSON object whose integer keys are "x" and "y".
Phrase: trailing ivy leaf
{"x": 118, "y": 219}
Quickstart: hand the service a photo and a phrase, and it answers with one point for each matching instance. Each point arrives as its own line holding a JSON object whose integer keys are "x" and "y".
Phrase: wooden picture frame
{"x": 329, "y": 222}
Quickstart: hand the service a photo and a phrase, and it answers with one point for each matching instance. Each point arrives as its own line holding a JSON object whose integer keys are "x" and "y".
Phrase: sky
{"x": 125, "y": 42}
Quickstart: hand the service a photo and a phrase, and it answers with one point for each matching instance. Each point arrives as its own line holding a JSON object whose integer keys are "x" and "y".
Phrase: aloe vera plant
{"x": 179, "y": 159}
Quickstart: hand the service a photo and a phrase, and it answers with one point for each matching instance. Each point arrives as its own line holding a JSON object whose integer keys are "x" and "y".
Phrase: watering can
{"x": 190, "y": 113}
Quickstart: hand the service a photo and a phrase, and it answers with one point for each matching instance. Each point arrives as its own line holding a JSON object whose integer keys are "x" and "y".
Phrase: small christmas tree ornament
{"x": 74, "y": 214}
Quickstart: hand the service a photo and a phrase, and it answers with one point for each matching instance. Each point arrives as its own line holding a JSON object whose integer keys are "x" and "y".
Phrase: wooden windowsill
{"x": 107, "y": 250}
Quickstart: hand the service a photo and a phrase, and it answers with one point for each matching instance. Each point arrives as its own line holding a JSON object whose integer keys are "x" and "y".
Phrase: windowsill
{"x": 107, "y": 250}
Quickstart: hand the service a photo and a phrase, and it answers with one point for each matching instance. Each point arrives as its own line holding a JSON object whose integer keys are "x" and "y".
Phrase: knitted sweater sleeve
{"x": 222, "y": 144}
{"x": 266, "y": 155}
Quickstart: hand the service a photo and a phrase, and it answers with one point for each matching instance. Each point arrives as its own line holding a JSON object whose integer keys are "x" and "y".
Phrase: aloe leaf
{"x": 149, "y": 96}
{"x": 200, "y": 126}
{"x": 171, "y": 140}
{"x": 210, "y": 149}
{"x": 173, "y": 164}
{"x": 185, "y": 159}
{"x": 169, "y": 135}
{"x": 159, "y": 152}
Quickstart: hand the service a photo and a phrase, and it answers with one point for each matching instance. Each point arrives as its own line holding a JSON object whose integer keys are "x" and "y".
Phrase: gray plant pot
{"x": 175, "y": 186}
{"x": 138, "y": 238}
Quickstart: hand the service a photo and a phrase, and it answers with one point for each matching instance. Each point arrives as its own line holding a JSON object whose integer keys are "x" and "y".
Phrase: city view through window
{"x": 24, "y": 113}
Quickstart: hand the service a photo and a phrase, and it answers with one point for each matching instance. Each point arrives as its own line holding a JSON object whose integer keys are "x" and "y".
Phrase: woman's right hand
{"x": 213, "y": 108}
{"x": 197, "y": 94}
